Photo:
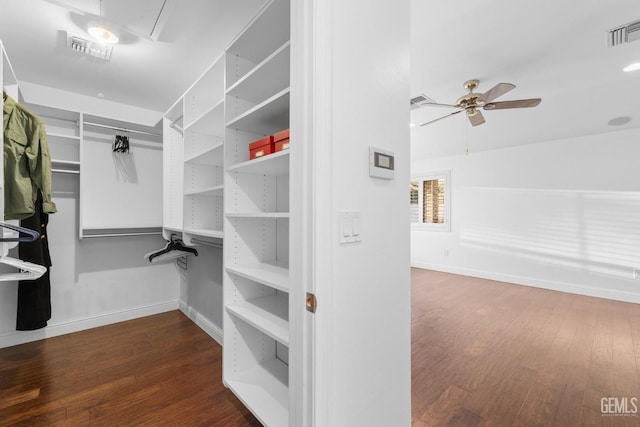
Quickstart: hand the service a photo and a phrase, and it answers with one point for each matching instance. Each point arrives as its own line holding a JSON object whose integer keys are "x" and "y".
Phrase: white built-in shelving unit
{"x": 80, "y": 141}
{"x": 256, "y": 229}
{"x": 64, "y": 134}
{"x": 173, "y": 169}
{"x": 80, "y": 144}
{"x": 132, "y": 178}
{"x": 214, "y": 191}
{"x": 203, "y": 154}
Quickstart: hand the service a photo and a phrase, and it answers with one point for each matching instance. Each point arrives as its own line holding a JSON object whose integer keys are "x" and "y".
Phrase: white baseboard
{"x": 204, "y": 323}
{"x": 8, "y": 339}
{"x": 536, "y": 283}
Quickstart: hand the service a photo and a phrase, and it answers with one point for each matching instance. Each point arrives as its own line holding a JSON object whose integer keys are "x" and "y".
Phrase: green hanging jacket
{"x": 27, "y": 163}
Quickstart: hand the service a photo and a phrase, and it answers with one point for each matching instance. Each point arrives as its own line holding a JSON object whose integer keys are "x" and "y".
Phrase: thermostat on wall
{"x": 381, "y": 163}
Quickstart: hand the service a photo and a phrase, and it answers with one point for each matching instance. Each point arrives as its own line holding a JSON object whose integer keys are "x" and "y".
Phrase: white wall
{"x": 94, "y": 281}
{"x": 362, "y": 323}
{"x": 562, "y": 215}
{"x": 201, "y": 290}
{"x": 52, "y": 97}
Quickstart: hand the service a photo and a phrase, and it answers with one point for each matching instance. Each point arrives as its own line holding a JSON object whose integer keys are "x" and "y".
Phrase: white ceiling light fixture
{"x": 103, "y": 35}
{"x": 632, "y": 67}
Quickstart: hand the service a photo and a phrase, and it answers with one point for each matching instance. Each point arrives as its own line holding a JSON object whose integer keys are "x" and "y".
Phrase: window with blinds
{"x": 414, "y": 189}
{"x": 429, "y": 201}
{"x": 433, "y": 207}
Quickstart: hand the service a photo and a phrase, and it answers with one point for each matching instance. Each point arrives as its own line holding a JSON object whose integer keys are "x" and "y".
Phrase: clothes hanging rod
{"x": 122, "y": 129}
{"x": 91, "y": 236}
{"x": 206, "y": 243}
{"x": 118, "y": 232}
{"x": 65, "y": 171}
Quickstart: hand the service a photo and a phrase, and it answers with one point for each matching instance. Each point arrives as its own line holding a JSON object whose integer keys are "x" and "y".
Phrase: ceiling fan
{"x": 472, "y": 102}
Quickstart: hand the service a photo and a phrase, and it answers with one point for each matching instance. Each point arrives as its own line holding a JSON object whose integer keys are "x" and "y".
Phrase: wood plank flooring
{"x": 487, "y": 353}
{"x": 484, "y": 353}
{"x": 161, "y": 370}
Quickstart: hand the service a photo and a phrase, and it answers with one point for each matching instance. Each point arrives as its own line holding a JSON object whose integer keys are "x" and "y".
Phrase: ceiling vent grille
{"x": 418, "y": 101}
{"x": 624, "y": 34}
{"x": 90, "y": 48}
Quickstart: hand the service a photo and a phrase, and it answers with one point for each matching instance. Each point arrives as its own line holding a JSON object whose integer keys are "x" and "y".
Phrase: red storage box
{"x": 279, "y": 136}
{"x": 281, "y": 145}
{"x": 281, "y": 140}
{"x": 261, "y": 147}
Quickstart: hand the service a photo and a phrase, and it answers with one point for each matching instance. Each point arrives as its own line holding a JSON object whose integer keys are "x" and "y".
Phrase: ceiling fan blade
{"x": 476, "y": 118}
{"x": 496, "y": 91}
{"x": 436, "y": 104}
{"x": 519, "y": 103}
{"x": 440, "y": 118}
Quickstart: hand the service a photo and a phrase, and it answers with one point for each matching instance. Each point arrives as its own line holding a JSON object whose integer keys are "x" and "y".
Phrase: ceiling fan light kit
{"x": 472, "y": 102}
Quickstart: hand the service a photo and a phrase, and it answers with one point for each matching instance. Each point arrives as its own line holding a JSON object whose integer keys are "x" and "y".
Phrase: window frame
{"x": 421, "y": 178}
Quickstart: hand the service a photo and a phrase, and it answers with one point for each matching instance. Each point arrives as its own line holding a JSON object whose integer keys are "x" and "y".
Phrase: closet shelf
{"x": 211, "y": 122}
{"x": 264, "y": 390}
{"x": 62, "y": 137}
{"x": 55, "y": 114}
{"x": 210, "y": 156}
{"x": 204, "y": 93}
{"x": 267, "y": 314}
{"x": 266, "y": 118}
{"x": 173, "y": 229}
{"x": 271, "y": 274}
{"x": 210, "y": 191}
{"x": 264, "y": 34}
{"x": 218, "y": 234}
{"x": 265, "y": 78}
{"x": 274, "y": 164}
{"x": 258, "y": 215}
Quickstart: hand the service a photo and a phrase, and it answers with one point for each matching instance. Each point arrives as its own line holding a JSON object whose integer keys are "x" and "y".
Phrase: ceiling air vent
{"x": 88, "y": 47}
{"x": 624, "y": 34}
{"x": 417, "y": 101}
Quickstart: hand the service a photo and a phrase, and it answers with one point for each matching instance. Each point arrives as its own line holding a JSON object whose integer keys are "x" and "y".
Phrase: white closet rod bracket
{"x": 176, "y": 127}
{"x": 173, "y": 122}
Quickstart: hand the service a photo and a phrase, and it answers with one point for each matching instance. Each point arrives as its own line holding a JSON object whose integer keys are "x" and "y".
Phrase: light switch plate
{"x": 350, "y": 227}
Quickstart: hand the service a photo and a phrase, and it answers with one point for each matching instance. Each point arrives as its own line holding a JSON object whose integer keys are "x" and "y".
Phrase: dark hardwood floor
{"x": 160, "y": 370}
{"x": 496, "y": 354}
{"x": 483, "y": 353}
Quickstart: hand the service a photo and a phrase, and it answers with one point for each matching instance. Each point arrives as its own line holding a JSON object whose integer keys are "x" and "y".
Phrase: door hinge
{"x": 312, "y": 302}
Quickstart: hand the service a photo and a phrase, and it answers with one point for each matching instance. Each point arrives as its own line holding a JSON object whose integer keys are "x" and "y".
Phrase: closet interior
{"x": 212, "y": 197}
